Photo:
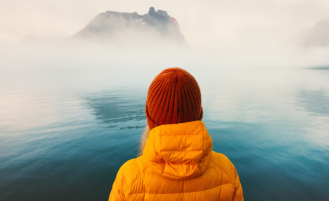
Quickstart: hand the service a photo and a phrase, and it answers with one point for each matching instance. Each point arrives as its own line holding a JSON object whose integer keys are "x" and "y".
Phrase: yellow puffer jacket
{"x": 178, "y": 164}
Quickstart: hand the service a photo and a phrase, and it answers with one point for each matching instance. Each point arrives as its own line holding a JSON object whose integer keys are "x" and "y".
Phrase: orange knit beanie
{"x": 173, "y": 97}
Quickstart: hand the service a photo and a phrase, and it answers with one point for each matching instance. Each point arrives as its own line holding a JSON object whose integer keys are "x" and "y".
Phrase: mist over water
{"x": 78, "y": 54}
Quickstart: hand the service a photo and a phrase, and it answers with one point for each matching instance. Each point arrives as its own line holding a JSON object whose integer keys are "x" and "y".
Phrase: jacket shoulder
{"x": 224, "y": 164}
{"x": 130, "y": 171}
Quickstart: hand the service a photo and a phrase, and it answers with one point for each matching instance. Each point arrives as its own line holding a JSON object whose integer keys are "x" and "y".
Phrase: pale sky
{"x": 204, "y": 23}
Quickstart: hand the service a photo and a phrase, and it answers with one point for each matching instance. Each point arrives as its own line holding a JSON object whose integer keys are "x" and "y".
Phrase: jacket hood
{"x": 179, "y": 151}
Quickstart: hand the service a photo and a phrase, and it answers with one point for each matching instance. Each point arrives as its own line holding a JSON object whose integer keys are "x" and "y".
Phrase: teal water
{"x": 64, "y": 135}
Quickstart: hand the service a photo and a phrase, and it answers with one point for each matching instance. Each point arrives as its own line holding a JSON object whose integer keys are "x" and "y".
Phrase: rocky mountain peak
{"x": 119, "y": 27}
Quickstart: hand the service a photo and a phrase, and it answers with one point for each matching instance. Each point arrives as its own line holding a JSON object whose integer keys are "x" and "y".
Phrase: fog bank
{"x": 220, "y": 35}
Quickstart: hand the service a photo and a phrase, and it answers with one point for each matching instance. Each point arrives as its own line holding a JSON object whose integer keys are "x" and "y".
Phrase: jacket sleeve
{"x": 238, "y": 193}
{"x": 117, "y": 192}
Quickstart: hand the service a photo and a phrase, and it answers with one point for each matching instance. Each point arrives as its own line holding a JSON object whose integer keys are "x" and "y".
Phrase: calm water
{"x": 64, "y": 135}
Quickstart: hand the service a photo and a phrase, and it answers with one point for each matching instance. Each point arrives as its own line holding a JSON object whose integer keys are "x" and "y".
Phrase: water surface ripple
{"x": 66, "y": 140}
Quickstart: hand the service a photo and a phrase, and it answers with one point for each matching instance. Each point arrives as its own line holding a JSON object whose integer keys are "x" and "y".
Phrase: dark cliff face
{"x": 156, "y": 26}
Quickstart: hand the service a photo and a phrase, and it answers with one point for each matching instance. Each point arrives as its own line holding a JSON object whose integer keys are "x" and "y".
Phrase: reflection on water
{"x": 118, "y": 107}
{"x": 68, "y": 142}
{"x": 315, "y": 101}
